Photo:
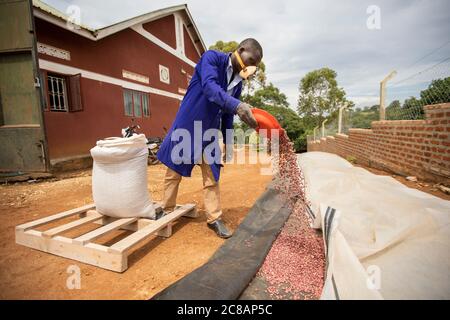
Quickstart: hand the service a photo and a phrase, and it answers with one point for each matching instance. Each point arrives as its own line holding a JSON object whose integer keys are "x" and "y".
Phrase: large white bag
{"x": 119, "y": 178}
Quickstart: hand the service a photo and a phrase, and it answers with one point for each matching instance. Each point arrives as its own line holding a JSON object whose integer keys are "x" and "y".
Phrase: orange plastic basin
{"x": 266, "y": 121}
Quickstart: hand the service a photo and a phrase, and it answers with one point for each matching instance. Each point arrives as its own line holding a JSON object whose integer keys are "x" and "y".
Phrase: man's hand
{"x": 246, "y": 115}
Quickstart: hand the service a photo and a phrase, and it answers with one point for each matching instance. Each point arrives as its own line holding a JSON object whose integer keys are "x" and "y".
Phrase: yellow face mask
{"x": 245, "y": 72}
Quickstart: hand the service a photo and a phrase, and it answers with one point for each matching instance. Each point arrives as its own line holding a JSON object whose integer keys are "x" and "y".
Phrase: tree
{"x": 258, "y": 79}
{"x": 290, "y": 122}
{"x": 363, "y": 117}
{"x": 226, "y": 47}
{"x": 267, "y": 96}
{"x": 437, "y": 92}
{"x": 320, "y": 95}
{"x": 412, "y": 109}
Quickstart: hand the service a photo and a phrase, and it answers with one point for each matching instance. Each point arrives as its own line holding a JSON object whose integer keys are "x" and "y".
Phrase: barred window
{"x": 57, "y": 93}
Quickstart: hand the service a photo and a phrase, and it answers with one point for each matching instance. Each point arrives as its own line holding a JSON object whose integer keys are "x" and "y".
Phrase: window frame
{"x": 141, "y": 95}
{"x": 70, "y": 88}
{"x": 66, "y": 91}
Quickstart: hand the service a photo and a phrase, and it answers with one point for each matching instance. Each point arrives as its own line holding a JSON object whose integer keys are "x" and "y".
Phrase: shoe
{"x": 220, "y": 229}
{"x": 159, "y": 214}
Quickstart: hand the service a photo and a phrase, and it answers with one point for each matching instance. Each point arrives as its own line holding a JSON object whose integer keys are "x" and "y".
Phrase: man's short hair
{"x": 253, "y": 44}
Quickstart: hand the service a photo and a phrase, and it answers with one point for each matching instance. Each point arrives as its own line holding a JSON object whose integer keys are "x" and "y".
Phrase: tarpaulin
{"x": 383, "y": 240}
{"x": 235, "y": 263}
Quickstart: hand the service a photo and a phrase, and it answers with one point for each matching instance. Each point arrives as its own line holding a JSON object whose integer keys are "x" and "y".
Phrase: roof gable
{"x": 52, "y": 15}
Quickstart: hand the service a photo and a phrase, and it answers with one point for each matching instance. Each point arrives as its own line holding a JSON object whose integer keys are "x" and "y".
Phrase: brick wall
{"x": 408, "y": 147}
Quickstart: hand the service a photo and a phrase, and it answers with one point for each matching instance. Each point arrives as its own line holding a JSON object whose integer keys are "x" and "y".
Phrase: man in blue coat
{"x": 209, "y": 106}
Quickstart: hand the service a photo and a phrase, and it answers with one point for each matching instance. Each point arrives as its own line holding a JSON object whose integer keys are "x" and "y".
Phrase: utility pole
{"x": 323, "y": 127}
{"x": 340, "y": 119}
{"x": 383, "y": 94}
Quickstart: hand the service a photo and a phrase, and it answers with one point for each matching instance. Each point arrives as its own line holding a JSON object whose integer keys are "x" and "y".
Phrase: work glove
{"x": 246, "y": 115}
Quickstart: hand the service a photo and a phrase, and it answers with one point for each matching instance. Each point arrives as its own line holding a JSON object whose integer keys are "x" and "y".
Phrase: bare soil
{"x": 30, "y": 274}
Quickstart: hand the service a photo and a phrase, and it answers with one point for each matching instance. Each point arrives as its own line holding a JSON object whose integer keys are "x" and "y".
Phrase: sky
{"x": 363, "y": 41}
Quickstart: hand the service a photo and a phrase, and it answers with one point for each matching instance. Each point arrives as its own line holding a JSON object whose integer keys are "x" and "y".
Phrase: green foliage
{"x": 320, "y": 96}
{"x": 437, "y": 92}
{"x": 362, "y": 118}
{"x": 226, "y": 47}
{"x": 288, "y": 119}
{"x": 268, "y": 95}
{"x": 351, "y": 159}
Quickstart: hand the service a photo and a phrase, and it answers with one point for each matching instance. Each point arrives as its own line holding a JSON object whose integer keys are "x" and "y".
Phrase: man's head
{"x": 250, "y": 53}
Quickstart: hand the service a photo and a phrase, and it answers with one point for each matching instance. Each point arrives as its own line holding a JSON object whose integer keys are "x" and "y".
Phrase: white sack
{"x": 119, "y": 178}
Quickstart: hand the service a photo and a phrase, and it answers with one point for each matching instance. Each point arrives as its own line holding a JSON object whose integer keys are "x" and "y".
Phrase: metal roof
{"x": 97, "y": 34}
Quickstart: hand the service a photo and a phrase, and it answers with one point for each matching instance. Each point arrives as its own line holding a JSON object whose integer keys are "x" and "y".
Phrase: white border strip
{"x": 62, "y": 24}
{"x": 61, "y": 68}
{"x": 139, "y": 29}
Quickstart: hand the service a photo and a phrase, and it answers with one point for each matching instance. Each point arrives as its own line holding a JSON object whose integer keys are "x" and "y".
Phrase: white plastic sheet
{"x": 119, "y": 178}
{"x": 385, "y": 240}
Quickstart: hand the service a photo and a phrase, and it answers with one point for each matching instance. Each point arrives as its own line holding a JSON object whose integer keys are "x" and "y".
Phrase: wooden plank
{"x": 55, "y": 217}
{"x": 71, "y": 225}
{"x": 192, "y": 214}
{"x": 113, "y": 258}
{"x": 91, "y": 253}
{"x": 97, "y": 233}
{"x": 127, "y": 243}
{"x": 138, "y": 225}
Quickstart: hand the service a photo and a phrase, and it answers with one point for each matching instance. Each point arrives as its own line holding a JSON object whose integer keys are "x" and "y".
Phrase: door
{"x": 22, "y": 132}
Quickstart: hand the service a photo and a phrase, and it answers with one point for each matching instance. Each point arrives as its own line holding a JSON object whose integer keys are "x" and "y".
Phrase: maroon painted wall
{"x": 72, "y": 134}
{"x": 163, "y": 29}
{"x": 124, "y": 50}
{"x": 189, "y": 47}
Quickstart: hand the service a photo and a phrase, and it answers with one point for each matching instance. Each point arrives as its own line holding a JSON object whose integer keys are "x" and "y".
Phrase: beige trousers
{"x": 211, "y": 193}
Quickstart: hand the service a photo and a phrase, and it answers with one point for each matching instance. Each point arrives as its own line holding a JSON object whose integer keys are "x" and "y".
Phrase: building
{"x": 64, "y": 86}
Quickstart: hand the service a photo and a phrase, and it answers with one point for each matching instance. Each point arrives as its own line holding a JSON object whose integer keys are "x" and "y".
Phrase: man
{"x": 211, "y": 101}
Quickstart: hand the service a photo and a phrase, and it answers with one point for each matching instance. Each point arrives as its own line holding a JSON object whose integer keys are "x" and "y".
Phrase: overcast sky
{"x": 299, "y": 36}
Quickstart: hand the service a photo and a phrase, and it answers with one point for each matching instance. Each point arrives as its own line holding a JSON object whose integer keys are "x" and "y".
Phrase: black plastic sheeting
{"x": 229, "y": 271}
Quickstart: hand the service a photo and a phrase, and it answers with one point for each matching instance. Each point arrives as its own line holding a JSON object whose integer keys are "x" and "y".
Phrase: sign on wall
{"x": 135, "y": 76}
{"x": 53, "y": 51}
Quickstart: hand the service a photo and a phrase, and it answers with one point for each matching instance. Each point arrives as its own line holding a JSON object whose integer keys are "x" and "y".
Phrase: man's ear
{"x": 240, "y": 50}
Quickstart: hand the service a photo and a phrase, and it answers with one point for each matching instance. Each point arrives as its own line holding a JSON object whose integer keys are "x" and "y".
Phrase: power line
{"x": 429, "y": 54}
{"x": 420, "y": 72}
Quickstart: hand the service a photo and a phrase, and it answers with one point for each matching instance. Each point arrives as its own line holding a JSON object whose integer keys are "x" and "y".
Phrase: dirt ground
{"x": 30, "y": 274}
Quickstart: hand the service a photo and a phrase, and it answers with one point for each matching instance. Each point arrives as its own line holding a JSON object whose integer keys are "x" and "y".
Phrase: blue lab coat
{"x": 206, "y": 100}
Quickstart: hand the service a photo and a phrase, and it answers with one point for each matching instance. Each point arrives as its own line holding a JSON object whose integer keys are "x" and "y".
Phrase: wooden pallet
{"x": 83, "y": 249}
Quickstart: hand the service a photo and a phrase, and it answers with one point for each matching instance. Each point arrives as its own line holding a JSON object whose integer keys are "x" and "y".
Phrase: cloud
{"x": 300, "y": 36}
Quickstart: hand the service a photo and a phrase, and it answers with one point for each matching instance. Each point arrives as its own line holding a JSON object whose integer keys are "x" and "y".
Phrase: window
{"x": 145, "y": 108}
{"x": 61, "y": 93}
{"x": 57, "y": 93}
{"x": 128, "y": 102}
{"x": 136, "y": 103}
